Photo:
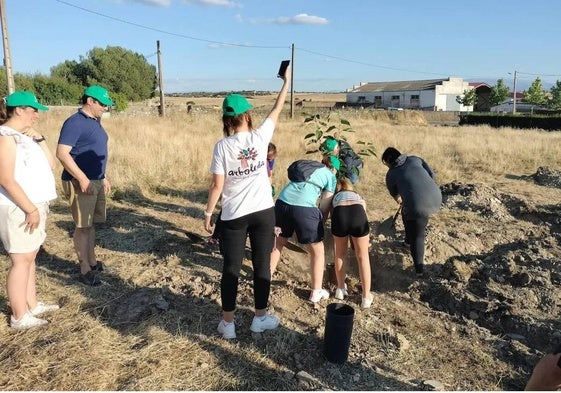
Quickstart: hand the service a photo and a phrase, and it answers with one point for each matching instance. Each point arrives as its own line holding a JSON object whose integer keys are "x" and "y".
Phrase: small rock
{"x": 402, "y": 342}
{"x": 303, "y": 376}
{"x": 432, "y": 384}
{"x": 514, "y": 336}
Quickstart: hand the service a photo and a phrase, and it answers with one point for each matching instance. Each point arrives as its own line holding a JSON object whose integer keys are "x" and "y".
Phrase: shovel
{"x": 295, "y": 247}
{"x": 387, "y": 227}
{"x": 290, "y": 245}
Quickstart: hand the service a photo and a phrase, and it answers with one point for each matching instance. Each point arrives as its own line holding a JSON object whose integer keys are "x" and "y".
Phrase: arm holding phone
{"x": 275, "y": 112}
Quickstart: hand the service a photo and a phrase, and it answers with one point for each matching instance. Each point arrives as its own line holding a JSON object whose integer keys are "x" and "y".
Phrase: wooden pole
{"x": 292, "y": 85}
{"x": 514, "y": 95}
{"x": 7, "y": 57}
{"x": 161, "y": 81}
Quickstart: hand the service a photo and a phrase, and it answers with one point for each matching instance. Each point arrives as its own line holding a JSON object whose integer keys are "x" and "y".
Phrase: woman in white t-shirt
{"x": 26, "y": 186}
{"x": 239, "y": 174}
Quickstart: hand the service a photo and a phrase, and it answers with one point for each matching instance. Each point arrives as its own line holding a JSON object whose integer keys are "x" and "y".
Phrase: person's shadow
{"x": 187, "y": 307}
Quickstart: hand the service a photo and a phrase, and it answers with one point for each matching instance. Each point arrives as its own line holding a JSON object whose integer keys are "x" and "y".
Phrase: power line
{"x": 533, "y": 74}
{"x": 166, "y": 32}
{"x": 274, "y": 47}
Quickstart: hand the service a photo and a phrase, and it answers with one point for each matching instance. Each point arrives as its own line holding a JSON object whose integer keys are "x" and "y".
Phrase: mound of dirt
{"x": 547, "y": 177}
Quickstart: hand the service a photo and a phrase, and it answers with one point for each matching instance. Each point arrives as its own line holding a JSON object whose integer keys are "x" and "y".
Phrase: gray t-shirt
{"x": 413, "y": 179}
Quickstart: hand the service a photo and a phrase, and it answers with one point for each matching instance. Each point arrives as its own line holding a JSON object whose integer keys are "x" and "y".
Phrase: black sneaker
{"x": 90, "y": 278}
{"x": 98, "y": 267}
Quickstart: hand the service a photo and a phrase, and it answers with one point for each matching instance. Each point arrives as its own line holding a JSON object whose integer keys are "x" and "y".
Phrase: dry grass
{"x": 159, "y": 170}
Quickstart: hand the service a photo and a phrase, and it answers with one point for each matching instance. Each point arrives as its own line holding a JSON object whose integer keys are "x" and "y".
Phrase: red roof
{"x": 479, "y": 84}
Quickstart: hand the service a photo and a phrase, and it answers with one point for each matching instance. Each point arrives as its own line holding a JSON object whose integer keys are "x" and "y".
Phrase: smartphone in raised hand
{"x": 282, "y": 69}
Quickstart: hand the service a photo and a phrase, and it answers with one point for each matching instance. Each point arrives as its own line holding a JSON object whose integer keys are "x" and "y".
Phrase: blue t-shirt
{"x": 88, "y": 139}
{"x": 307, "y": 194}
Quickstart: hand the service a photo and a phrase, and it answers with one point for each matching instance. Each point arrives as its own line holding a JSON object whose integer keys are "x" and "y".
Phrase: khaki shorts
{"x": 12, "y": 233}
{"x": 87, "y": 209}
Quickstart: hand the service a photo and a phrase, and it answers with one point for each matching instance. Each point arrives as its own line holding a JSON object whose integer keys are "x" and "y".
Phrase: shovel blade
{"x": 387, "y": 227}
{"x": 294, "y": 247}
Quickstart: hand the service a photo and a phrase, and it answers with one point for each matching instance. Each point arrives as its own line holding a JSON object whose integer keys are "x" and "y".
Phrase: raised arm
{"x": 277, "y": 108}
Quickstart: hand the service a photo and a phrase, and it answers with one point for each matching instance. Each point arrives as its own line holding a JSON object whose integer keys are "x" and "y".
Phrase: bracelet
{"x": 207, "y": 214}
{"x": 40, "y": 139}
{"x": 31, "y": 212}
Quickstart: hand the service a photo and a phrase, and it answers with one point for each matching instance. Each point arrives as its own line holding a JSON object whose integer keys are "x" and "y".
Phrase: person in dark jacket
{"x": 410, "y": 181}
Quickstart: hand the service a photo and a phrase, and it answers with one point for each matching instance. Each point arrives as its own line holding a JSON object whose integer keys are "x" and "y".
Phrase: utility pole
{"x": 7, "y": 58}
{"x": 160, "y": 81}
{"x": 514, "y": 96}
{"x": 292, "y": 86}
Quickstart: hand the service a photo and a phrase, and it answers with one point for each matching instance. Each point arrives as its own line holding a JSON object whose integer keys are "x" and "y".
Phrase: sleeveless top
{"x": 346, "y": 196}
{"x": 32, "y": 170}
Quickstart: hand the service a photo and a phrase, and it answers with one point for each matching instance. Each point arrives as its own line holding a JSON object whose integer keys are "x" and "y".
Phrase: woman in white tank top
{"x": 26, "y": 186}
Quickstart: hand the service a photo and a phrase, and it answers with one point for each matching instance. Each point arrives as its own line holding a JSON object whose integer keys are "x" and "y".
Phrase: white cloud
{"x": 213, "y": 3}
{"x": 303, "y": 19}
{"x": 300, "y": 19}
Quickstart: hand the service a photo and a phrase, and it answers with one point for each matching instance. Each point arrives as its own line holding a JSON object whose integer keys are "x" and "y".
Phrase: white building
{"x": 433, "y": 94}
{"x": 521, "y": 107}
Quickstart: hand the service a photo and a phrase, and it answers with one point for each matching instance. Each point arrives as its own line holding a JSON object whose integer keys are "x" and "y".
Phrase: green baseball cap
{"x": 99, "y": 93}
{"x": 335, "y": 162}
{"x": 234, "y": 105}
{"x": 328, "y": 145}
{"x": 24, "y": 98}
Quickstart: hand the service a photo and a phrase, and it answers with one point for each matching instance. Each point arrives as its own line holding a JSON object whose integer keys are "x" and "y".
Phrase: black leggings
{"x": 415, "y": 231}
{"x": 260, "y": 228}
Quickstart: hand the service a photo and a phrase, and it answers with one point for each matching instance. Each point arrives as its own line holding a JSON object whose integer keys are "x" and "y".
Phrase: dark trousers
{"x": 415, "y": 231}
{"x": 260, "y": 228}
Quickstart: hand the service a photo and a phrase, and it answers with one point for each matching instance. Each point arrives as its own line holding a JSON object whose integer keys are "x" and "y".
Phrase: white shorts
{"x": 12, "y": 233}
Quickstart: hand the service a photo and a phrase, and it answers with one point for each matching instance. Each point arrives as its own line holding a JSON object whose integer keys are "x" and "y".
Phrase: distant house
{"x": 521, "y": 107}
{"x": 433, "y": 94}
{"x": 483, "y": 93}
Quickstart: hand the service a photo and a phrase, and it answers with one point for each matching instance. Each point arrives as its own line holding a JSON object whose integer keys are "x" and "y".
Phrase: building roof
{"x": 372, "y": 87}
{"x": 475, "y": 85}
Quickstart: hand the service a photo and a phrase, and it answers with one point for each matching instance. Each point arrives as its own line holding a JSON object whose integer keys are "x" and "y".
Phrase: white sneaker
{"x": 42, "y": 308}
{"x": 318, "y": 294}
{"x": 266, "y": 322}
{"x": 341, "y": 293}
{"x": 28, "y": 321}
{"x": 367, "y": 301}
{"x": 227, "y": 329}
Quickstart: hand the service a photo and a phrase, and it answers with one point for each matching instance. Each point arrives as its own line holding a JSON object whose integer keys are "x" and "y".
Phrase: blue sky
{"x": 229, "y": 45}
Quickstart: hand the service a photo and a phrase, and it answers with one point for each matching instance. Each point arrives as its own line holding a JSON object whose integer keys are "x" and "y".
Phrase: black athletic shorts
{"x": 349, "y": 220}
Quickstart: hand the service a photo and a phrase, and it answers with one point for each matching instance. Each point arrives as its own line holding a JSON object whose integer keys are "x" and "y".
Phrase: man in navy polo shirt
{"x": 82, "y": 150}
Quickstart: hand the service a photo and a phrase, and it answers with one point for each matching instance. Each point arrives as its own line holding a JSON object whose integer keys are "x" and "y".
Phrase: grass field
{"x": 159, "y": 171}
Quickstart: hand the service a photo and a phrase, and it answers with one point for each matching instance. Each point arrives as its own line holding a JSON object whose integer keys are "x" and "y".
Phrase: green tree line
{"x": 535, "y": 95}
{"x": 125, "y": 74}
